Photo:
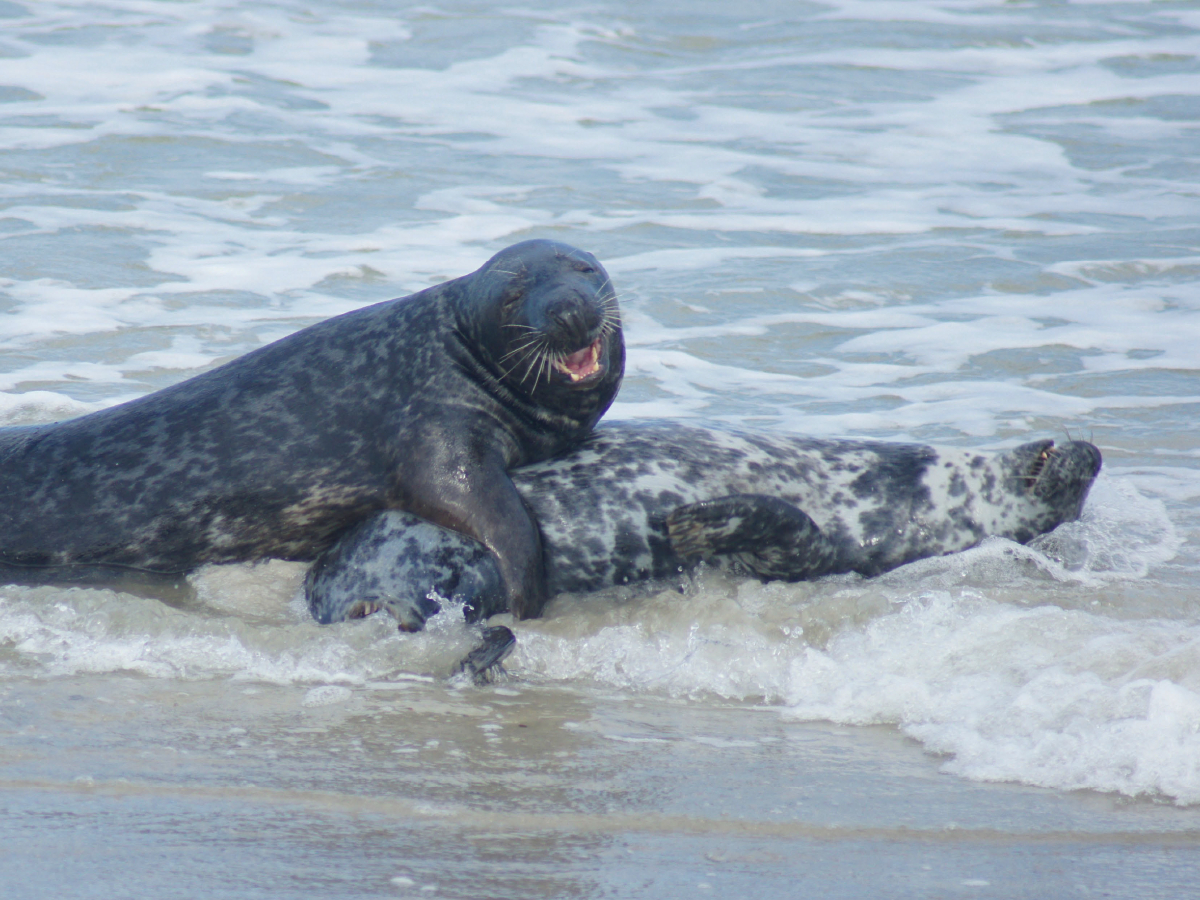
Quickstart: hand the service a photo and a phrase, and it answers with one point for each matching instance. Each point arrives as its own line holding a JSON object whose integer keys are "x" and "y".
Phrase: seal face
{"x": 642, "y": 501}
{"x": 420, "y": 404}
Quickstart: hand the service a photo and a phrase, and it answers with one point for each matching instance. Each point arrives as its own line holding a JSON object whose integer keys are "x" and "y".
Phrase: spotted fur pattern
{"x": 603, "y": 509}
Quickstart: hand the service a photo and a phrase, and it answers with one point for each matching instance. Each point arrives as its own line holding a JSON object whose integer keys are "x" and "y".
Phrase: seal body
{"x": 419, "y": 404}
{"x": 641, "y": 501}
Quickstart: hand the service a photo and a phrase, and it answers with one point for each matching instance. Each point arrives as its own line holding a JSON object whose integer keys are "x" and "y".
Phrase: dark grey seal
{"x": 647, "y": 501}
{"x": 420, "y": 404}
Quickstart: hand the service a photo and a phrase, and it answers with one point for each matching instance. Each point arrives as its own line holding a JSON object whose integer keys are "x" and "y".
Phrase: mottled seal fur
{"x": 419, "y": 404}
{"x": 642, "y": 501}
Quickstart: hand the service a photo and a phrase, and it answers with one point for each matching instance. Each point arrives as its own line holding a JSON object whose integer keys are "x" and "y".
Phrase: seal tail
{"x": 772, "y": 538}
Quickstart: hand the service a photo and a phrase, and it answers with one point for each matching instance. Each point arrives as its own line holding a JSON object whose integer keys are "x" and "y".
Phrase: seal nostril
{"x": 573, "y": 324}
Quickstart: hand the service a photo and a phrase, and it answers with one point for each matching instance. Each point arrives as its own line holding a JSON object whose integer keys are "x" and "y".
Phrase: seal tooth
{"x": 1040, "y": 463}
{"x": 589, "y": 365}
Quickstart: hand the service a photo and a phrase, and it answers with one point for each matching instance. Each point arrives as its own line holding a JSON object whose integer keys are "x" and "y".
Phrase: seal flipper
{"x": 772, "y": 538}
{"x": 483, "y": 663}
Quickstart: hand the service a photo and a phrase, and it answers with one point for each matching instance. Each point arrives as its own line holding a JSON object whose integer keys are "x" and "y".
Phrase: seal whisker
{"x": 609, "y": 323}
{"x": 552, "y": 359}
{"x": 541, "y": 365}
{"x": 537, "y": 350}
{"x": 527, "y": 361}
{"x": 528, "y": 343}
{"x": 534, "y": 341}
{"x": 549, "y": 358}
{"x": 610, "y": 316}
{"x": 533, "y": 361}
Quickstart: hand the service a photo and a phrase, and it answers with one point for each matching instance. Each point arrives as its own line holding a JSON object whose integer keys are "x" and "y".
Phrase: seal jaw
{"x": 581, "y": 363}
{"x": 1053, "y": 480}
{"x": 583, "y": 367}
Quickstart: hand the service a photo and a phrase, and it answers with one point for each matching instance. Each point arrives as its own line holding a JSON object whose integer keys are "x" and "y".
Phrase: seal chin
{"x": 584, "y": 366}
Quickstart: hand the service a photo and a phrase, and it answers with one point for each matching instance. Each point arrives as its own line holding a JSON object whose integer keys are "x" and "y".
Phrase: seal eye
{"x": 512, "y": 297}
{"x": 585, "y": 269}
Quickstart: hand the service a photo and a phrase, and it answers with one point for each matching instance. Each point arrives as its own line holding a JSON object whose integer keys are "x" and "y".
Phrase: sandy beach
{"x": 412, "y": 788}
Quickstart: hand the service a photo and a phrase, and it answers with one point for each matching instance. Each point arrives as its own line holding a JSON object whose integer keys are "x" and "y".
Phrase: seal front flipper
{"x": 507, "y": 529}
{"x": 480, "y": 501}
{"x": 772, "y": 538}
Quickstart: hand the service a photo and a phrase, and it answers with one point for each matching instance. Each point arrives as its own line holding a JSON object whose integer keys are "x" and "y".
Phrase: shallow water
{"x": 971, "y": 223}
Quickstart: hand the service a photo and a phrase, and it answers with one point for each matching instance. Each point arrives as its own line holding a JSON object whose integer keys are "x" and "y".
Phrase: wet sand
{"x": 133, "y": 787}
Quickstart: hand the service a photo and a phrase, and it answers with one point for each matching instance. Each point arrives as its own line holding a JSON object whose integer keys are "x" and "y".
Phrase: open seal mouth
{"x": 1035, "y": 470}
{"x": 582, "y": 364}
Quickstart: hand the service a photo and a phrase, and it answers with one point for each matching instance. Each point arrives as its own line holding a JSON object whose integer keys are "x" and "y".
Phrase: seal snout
{"x": 574, "y": 317}
{"x": 573, "y": 327}
{"x": 1073, "y": 464}
{"x": 576, "y": 326}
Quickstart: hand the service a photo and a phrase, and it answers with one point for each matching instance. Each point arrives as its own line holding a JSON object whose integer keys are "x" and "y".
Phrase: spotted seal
{"x": 421, "y": 404}
{"x": 642, "y": 501}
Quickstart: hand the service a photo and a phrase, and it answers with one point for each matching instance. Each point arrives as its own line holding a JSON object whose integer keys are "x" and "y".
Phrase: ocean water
{"x": 966, "y": 222}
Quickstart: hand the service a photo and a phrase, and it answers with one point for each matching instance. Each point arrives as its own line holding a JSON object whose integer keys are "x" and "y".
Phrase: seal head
{"x": 537, "y": 333}
{"x": 542, "y": 319}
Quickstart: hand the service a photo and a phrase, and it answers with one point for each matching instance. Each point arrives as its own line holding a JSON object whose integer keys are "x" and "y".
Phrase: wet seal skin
{"x": 419, "y": 404}
{"x": 484, "y": 664}
{"x": 642, "y": 501}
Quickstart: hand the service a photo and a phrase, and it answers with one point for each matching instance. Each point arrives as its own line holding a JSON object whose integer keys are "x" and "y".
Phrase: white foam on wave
{"x": 1018, "y": 665}
{"x": 919, "y": 361}
{"x": 1121, "y": 534}
{"x": 248, "y": 625}
{"x": 1043, "y": 695}
{"x": 1106, "y": 320}
{"x": 35, "y": 407}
